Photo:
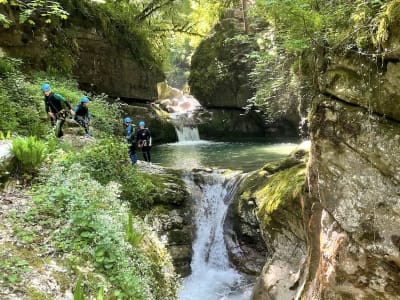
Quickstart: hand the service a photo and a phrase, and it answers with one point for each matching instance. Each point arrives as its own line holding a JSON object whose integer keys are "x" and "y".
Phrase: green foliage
{"x": 387, "y": 17}
{"x": 106, "y": 114}
{"x": 78, "y": 291}
{"x": 29, "y": 154}
{"x": 11, "y": 270}
{"x": 107, "y": 155}
{"x": 132, "y": 236}
{"x": 137, "y": 189}
{"x": 34, "y": 9}
{"x": 20, "y": 110}
{"x": 85, "y": 218}
{"x": 6, "y": 136}
{"x": 93, "y": 226}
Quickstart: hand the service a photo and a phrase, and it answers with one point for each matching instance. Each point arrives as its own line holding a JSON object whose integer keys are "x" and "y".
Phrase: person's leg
{"x": 61, "y": 126}
{"x": 83, "y": 124}
{"x": 133, "y": 158}
{"x": 146, "y": 153}
{"x": 53, "y": 121}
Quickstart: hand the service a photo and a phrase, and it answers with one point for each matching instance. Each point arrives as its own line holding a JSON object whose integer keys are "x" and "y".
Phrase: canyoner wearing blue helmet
{"x": 46, "y": 87}
{"x": 130, "y": 139}
{"x": 57, "y": 108}
{"x": 130, "y": 136}
{"x": 82, "y": 115}
{"x": 144, "y": 141}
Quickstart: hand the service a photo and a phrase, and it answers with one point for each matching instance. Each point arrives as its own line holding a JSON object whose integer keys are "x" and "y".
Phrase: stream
{"x": 212, "y": 190}
{"x": 213, "y": 277}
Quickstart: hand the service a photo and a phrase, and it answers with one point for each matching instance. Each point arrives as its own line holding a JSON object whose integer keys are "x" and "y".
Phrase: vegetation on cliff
{"x": 72, "y": 209}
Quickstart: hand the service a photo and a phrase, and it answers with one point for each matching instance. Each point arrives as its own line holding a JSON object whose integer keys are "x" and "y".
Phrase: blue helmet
{"x": 127, "y": 120}
{"x": 84, "y": 99}
{"x": 141, "y": 123}
{"x": 46, "y": 87}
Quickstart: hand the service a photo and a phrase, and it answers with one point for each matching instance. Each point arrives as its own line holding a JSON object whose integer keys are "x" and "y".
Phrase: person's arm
{"x": 62, "y": 99}
{"x": 76, "y": 108}
{"x": 150, "y": 139}
{"x": 46, "y": 106}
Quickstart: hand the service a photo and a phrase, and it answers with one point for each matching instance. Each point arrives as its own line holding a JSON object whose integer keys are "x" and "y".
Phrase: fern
{"x": 6, "y": 136}
{"x": 29, "y": 154}
{"x": 133, "y": 237}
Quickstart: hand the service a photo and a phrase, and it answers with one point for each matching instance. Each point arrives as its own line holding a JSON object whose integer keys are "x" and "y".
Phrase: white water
{"x": 212, "y": 277}
{"x": 187, "y": 133}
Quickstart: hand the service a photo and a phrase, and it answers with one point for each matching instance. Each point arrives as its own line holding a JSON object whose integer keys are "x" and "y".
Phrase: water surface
{"x": 244, "y": 156}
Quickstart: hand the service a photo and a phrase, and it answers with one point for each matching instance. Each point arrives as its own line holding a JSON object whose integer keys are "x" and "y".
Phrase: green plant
{"x": 29, "y": 154}
{"x": 78, "y": 291}
{"x": 11, "y": 270}
{"x": 132, "y": 236}
{"x": 6, "y": 136}
{"x": 107, "y": 155}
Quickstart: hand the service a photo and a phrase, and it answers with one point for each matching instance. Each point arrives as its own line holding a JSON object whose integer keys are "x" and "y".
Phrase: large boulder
{"x": 219, "y": 74}
{"x": 267, "y": 222}
{"x": 5, "y": 160}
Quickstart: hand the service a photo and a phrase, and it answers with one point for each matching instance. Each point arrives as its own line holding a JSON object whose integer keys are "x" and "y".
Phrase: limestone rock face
{"x": 355, "y": 179}
{"x": 220, "y": 79}
{"x": 112, "y": 70}
{"x": 99, "y": 65}
{"x": 364, "y": 82}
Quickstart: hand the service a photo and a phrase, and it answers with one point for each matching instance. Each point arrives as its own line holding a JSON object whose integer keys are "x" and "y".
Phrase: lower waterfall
{"x": 212, "y": 276}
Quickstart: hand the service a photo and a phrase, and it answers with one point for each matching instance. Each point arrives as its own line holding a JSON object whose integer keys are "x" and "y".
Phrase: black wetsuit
{"x": 82, "y": 117}
{"x": 143, "y": 138}
{"x": 56, "y": 104}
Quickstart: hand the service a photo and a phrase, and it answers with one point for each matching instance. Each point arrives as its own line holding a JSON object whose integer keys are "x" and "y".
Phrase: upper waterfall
{"x": 181, "y": 107}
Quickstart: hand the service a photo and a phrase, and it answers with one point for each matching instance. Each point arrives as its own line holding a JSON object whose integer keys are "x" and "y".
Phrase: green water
{"x": 199, "y": 154}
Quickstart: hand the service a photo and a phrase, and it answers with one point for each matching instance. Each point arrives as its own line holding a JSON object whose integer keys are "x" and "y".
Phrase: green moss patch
{"x": 282, "y": 188}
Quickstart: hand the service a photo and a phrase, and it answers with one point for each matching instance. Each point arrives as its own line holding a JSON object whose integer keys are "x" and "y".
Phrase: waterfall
{"x": 187, "y": 133}
{"x": 212, "y": 277}
{"x": 185, "y": 127}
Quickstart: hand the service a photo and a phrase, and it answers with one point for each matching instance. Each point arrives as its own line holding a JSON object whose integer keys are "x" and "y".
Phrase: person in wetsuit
{"x": 57, "y": 108}
{"x": 82, "y": 115}
{"x": 130, "y": 139}
{"x": 143, "y": 138}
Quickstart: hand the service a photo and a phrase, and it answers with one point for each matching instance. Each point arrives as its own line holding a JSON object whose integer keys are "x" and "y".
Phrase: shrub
{"x": 94, "y": 226}
{"x": 105, "y": 160}
{"x": 29, "y": 154}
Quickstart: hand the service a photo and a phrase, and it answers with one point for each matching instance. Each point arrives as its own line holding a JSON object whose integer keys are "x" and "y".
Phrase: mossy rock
{"x": 157, "y": 120}
{"x": 282, "y": 188}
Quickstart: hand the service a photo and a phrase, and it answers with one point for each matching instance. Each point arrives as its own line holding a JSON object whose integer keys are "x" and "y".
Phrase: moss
{"x": 282, "y": 188}
{"x": 63, "y": 280}
{"x": 277, "y": 166}
{"x": 34, "y": 294}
